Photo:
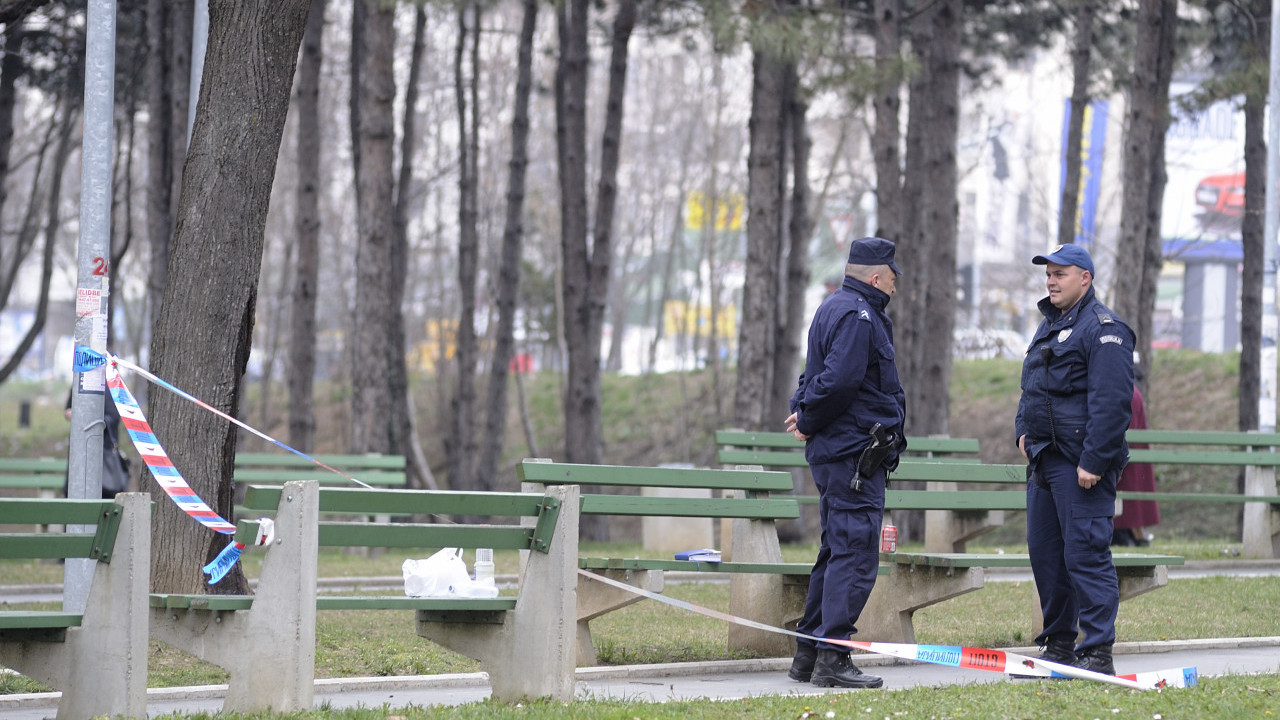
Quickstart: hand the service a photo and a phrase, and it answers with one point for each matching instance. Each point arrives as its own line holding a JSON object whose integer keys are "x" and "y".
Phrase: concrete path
{"x": 691, "y": 681}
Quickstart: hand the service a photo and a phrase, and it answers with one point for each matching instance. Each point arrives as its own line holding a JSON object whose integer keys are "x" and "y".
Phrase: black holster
{"x": 882, "y": 447}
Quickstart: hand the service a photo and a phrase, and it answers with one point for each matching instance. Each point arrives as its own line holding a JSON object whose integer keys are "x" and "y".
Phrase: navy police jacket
{"x": 850, "y": 382}
{"x": 1077, "y": 386}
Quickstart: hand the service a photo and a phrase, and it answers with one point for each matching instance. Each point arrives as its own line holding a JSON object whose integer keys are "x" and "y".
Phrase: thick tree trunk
{"x": 791, "y": 326}
{"x": 1069, "y": 216}
{"x": 495, "y": 426}
{"x": 302, "y": 318}
{"x": 160, "y": 149}
{"x": 887, "y": 135}
{"x": 1252, "y": 240}
{"x": 373, "y": 429}
{"x": 11, "y": 67}
{"x": 940, "y": 215}
{"x": 462, "y": 420}
{"x": 764, "y": 217}
{"x": 203, "y": 332}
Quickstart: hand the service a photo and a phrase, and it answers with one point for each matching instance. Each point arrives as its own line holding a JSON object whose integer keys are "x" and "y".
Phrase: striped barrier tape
{"x": 957, "y": 656}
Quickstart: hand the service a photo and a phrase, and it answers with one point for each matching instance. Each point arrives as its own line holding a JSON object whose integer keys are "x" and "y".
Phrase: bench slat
{"x": 1183, "y": 456}
{"x": 967, "y": 560}
{"x": 32, "y": 546}
{"x": 410, "y": 535}
{"x": 757, "y": 508}
{"x": 917, "y": 470}
{"x": 973, "y": 500}
{"x": 38, "y": 619}
{"x": 341, "y": 462}
{"x": 320, "y": 475}
{"x": 33, "y": 511}
{"x": 781, "y": 568}
{"x": 30, "y": 482}
{"x": 569, "y": 473}
{"x": 747, "y": 439}
{"x": 404, "y": 602}
{"x": 1195, "y": 437}
{"x": 33, "y": 465}
{"x": 1197, "y": 497}
{"x": 362, "y": 501}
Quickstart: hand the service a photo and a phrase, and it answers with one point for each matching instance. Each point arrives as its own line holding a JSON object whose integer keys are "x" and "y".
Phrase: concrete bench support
{"x": 1261, "y": 520}
{"x": 907, "y": 588}
{"x": 101, "y": 666}
{"x": 597, "y": 598}
{"x": 532, "y": 653}
{"x": 774, "y": 600}
{"x": 269, "y": 648}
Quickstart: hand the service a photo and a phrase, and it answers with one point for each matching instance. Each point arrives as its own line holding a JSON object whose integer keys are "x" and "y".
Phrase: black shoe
{"x": 1123, "y": 537}
{"x": 833, "y": 669}
{"x": 1057, "y": 649}
{"x": 802, "y": 664}
{"x": 1096, "y": 659}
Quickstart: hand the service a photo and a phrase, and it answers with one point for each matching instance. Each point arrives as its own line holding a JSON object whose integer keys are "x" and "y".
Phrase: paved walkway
{"x": 690, "y": 681}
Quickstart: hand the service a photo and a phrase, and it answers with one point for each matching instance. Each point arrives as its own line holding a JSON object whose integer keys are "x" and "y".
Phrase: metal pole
{"x": 1267, "y": 385}
{"x": 84, "y": 462}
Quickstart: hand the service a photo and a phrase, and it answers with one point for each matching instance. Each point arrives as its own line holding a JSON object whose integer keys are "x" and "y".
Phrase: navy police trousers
{"x": 1069, "y": 540}
{"x": 849, "y": 557}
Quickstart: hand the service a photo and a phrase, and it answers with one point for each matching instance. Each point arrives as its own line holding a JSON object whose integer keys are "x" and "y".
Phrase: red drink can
{"x": 888, "y": 539}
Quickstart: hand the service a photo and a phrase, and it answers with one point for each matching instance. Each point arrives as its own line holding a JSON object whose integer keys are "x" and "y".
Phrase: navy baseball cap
{"x": 873, "y": 251}
{"x": 1066, "y": 255}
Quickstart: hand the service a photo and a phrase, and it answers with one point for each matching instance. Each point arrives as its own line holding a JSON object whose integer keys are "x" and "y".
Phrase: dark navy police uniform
{"x": 849, "y": 384}
{"x": 1077, "y": 388}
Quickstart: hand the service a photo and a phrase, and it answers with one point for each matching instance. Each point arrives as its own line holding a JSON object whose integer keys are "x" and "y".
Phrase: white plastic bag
{"x": 443, "y": 574}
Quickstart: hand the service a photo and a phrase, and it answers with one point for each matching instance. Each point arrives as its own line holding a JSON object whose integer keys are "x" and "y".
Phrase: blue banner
{"x": 1093, "y": 145}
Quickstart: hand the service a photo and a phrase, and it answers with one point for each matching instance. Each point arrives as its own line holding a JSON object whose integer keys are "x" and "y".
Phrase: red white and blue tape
{"x": 957, "y": 656}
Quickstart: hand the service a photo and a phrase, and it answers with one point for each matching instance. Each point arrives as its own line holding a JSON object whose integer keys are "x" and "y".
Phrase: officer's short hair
{"x": 864, "y": 272}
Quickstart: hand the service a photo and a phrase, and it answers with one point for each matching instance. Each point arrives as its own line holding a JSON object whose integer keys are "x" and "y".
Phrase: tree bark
{"x": 495, "y": 427}
{"x": 203, "y": 331}
{"x": 791, "y": 326}
{"x": 764, "y": 218}
{"x": 160, "y": 149}
{"x": 1252, "y": 228}
{"x": 1069, "y": 217}
{"x": 462, "y": 421}
{"x": 302, "y": 318}
{"x": 11, "y": 68}
{"x": 887, "y": 135}
{"x": 372, "y": 428}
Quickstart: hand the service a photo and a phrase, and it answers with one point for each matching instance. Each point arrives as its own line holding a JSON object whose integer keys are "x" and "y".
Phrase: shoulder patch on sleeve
{"x": 864, "y": 315}
{"x": 1111, "y": 339}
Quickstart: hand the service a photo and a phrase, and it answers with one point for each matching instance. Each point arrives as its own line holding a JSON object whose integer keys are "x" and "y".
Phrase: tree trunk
{"x": 11, "y": 67}
{"x": 940, "y": 214}
{"x": 462, "y": 420}
{"x": 764, "y": 213}
{"x": 495, "y": 426}
{"x": 1252, "y": 231}
{"x": 791, "y": 327}
{"x": 160, "y": 149}
{"x": 203, "y": 332}
{"x": 1069, "y": 217}
{"x": 302, "y": 317}
{"x": 402, "y": 407}
{"x": 887, "y": 135}
{"x": 373, "y": 430}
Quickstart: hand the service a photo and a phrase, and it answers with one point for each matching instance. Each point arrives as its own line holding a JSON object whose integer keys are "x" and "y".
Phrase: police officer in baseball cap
{"x": 1077, "y": 388}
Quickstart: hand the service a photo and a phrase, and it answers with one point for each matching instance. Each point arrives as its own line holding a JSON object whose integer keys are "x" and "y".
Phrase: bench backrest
{"x": 780, "y": 449}
{"x": 100, "y": 520}
{"x": 540, "y": 509}
{"x": 756, "y": 485}
{"x": 372, "y": 469}
{"x": 33, "y": 473}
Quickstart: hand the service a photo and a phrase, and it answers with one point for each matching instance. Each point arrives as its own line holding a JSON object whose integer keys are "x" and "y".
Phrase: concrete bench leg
{"x": 896, "y": 597}
{"x": 532, "y": 653}
{"x": 1261, "y": 521}
{"x": 596, "y": 598}
{"x": 766, "y": 599}
{"x": 101, "y": 667}
{"x": 269, "y": 649}
{"x": 947, "y": 531}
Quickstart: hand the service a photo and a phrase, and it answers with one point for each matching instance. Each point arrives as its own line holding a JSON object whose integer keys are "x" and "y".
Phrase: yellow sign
{"x": 682, "y": 318}
{"x": 729, "y": 211}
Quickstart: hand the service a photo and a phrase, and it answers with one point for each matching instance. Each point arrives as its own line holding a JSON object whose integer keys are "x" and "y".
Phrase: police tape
{"x": 1002, "y": 661}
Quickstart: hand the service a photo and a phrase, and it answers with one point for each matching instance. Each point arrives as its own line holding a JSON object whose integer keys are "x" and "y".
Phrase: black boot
{"x": 1059, "y": 649}
{"x": 833, "y": 669}
{"x": 802, "y": 664}
{"x": 1097, "y": 659}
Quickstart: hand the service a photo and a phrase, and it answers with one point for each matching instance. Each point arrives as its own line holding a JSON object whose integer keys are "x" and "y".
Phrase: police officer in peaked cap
{"x": 1077, "y": 388}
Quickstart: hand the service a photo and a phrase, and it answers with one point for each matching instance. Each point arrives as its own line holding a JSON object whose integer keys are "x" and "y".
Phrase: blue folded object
{"x": 703, "y": 555}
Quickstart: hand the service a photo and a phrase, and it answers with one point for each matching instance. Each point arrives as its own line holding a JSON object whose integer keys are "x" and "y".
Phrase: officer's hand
{"x": 1086, "y": 478}
{"x": 792, "y": 419}
{"x": 1022, "y": 446}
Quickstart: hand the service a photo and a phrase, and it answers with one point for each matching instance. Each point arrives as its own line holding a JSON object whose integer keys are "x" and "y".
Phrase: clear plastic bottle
{"x": 484, "y": 566}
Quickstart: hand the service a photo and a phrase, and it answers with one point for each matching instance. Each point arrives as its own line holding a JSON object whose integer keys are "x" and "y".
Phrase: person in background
{"x": 849, "y": 410}
{"x": 1136, "y": 515}
{"x": 1077, "y": 390}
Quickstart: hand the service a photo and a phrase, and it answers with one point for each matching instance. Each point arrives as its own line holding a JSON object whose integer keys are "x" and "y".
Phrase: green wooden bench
{"x": 44, "y": 475}
{"x": 249, "y": 635}
{"x": 1256, "y": 452}
{"x": 96, "y": 655}
{"x": 262, "y": 468}
{"x": 782, "y": 450}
